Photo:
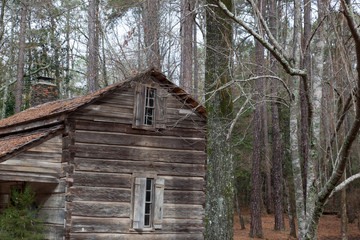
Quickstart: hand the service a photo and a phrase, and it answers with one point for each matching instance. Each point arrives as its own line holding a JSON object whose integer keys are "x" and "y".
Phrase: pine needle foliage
{"x": 19, "y": 221}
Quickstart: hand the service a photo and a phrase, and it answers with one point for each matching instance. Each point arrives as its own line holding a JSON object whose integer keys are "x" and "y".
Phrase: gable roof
{"x": 17, "y": 131}
{"x": 69, "y": 105}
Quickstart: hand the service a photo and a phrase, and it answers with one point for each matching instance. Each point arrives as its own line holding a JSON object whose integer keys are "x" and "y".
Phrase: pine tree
{"x": 19, "y": 221}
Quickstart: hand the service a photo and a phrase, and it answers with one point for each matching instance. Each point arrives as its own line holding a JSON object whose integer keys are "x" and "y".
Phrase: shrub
{"x": 19, "y": 221}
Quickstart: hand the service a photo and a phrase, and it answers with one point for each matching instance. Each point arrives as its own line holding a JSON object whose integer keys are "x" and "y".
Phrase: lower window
{"x": 148, "y": 203}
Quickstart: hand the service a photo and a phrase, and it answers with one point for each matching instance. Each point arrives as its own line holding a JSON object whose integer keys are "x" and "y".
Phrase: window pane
{"x": 148, "y": 183}
{"x": 149, "y": 105}
{"x": 147, "y": 220}
{"x": 147, "y": 208}
{"x": 148, "y": 196}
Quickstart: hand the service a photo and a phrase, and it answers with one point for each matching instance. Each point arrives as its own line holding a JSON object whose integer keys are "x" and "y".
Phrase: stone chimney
{"x": 43, "y": 91}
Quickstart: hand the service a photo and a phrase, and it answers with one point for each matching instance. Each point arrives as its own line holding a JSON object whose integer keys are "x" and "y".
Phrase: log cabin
{"x": 126, "y": 162}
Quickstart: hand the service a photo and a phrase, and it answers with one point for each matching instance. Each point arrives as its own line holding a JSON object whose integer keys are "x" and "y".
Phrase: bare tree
{"x": 309, "y": 211}
{"x": 151, "y": 33}
{"x": 93, "y": 46}
{"x": 186, "y": 66}
{"x": 21, "y": 55}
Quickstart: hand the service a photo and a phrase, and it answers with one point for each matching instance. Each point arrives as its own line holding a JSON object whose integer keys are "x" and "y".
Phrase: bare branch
{"x": 344, "y": 184}
{"x": 239, "y": 113}
{"x": 275, "y": 50}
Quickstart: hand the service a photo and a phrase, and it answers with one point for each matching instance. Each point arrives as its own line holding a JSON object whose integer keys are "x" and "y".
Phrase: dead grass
{"x": 329, "y": 229}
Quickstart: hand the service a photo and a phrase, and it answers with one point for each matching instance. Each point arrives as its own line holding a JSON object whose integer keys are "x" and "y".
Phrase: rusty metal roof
{"x": 16, "y": 142}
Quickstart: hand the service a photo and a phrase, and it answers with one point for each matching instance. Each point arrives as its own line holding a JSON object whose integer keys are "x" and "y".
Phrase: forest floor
{"x": 329, "y": 228}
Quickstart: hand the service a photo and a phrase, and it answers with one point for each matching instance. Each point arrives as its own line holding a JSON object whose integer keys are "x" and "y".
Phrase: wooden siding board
{"x": 38, "y": 164}
{"x": 184, "y": 211}
{"x": 98, "y": 194}
{"x": 102, "y": 179}
{"x": 138, "y": 153}
{"x": 82, "y": 136}
{"x": 120, "y": 166}
{"x": 138, "y": 236}
{"x": 115, "y": 127}
{"x": 100, "y": 209}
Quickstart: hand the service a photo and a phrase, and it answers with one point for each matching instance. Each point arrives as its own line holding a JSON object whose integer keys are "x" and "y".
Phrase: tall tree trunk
{"x": 2, "y": 14}
{"x": 294, "y": 110}
{"x": 304, "y": 101}
{"x": 220, "y": 171}
{"x": 258, "y": 142}
{"x": 242, "y": 222}
{"x": 344, "y": 218}
{"x": 151, "y": 33}
{"x": 93, "y": 46}
{"x": 195, "y": 57}
{"x": 67, "y": 63}
{"x": 267, "y": 158}
{"x": 187, "y": 22}
{"x": 277, "y": 175}
{"x": 289, "y": 188}
{"x": 21, "y": 56}
{"x": 104, "y": 68}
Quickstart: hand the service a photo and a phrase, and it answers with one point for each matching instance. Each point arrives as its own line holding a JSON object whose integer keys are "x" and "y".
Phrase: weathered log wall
{"x": 39, "y": 166}
{"x": 106, "y": 151}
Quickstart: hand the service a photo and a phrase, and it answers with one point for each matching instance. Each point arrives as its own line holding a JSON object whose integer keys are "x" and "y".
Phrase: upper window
{"x": 148, "y": 202}
{"x": 149, "y": 107}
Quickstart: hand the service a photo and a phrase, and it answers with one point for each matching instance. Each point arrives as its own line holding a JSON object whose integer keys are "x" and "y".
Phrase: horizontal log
{"x": 122, "y": 225}
{"x": 184, "y": 197}
{"x": 138, "y": 153}
{"x": 115, "y": 108}
{"x": 166, "y": 142}
{"x": 183, "y": 225}
{"x": 124, "y": 128}
{"x": 100, "y": 209}
{"x": 21, "y": 164}
{"x": 184, "y": 183}
{"x": 184, "y": 211}
{"x": 36, "y": 157}
{"x": 47, "y": 170}
{"x": 105, "y": 225}
{"x": 137, "y": 236}
{"x": 102, "y": 179}
{"x": 98, "y": 194}
{"x": 77, "y": 116}
{"x": 106, "y": 113}
{"x": 122, "y": 166}
{"x": 28, "y": 177}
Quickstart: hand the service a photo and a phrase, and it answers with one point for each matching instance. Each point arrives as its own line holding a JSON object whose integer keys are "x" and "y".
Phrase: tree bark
{"x": 21, "y": 56}
{"x": 219, "y": 207}
{"x": 343, "y": 212}
{"x": 187, "y": 22}
{"x": 258, "y": 143}
{"x": 242, "y": 223}
{"x": 93, "y": 46}
{"x": 151, "y": 33}
{"x": 277, "y": 175}
{"x": 195, "y": 58}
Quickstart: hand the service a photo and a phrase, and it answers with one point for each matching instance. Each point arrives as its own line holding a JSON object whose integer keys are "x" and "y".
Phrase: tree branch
{"x": 344, "y": 184}
{"x": 275, "y": 50}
